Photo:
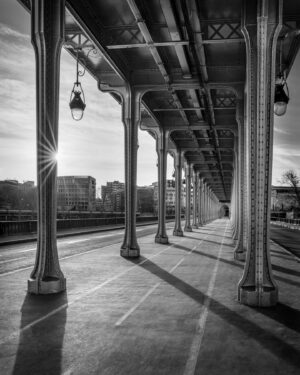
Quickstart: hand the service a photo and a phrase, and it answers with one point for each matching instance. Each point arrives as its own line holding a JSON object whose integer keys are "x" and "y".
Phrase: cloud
{"x": 8, "y": 32}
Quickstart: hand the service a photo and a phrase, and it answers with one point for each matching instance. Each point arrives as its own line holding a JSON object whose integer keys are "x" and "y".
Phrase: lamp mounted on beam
{"x": 77, "y": 103}
{"x": 281, "y": 97}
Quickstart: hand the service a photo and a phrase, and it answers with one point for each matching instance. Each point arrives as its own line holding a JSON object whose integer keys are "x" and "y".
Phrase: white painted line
{"x": 150, "y": 291}
{"x": 15, "y": 271}
{"x": 11, "y": 252}
{"x": 190, "y": 366}
{"x": 12, "y": 260}
{"x": 134, "y": 307}
{"x": 76, "y": 299}
{"x": 91, "y": 238}
{"x": 62, "y": 258}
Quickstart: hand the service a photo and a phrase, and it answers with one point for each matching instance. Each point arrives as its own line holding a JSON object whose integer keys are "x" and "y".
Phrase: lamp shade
{"x": 281, "y": 100}
{"x": 77, "y": 106}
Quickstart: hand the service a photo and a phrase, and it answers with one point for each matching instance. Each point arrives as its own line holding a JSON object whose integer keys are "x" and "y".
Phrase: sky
{"x": 95, "y": 145}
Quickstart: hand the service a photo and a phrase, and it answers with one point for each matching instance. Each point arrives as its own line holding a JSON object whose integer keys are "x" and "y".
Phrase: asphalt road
{"x": 14, "y": 258}
{"x": 287, "y": 238}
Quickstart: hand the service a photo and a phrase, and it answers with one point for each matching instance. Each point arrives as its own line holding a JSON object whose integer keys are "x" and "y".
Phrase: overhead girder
{"x": 201, "y": 85}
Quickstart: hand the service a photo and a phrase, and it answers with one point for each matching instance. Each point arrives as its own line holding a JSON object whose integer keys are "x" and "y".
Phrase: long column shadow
{"x": 274, "y": 344}
{"x": 40, "y": 345}
{"x": 238, "y": 264}
{"x": 285, "y": 257}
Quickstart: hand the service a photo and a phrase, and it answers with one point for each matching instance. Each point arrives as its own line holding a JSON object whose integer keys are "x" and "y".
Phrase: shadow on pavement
{"x": 41, "y": 343}
{"x": 270, "y": 341}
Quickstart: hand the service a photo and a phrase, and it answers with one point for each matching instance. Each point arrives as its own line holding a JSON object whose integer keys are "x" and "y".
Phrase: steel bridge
{"x": 199, "y": 76}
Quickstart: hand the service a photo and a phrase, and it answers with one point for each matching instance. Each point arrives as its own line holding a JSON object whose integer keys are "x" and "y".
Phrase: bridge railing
{"x": 10, "y": 228}
{"x": 287, "y": 223}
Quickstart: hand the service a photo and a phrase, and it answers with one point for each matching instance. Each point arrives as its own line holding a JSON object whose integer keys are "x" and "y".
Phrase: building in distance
{"x": 76, "y": 193}
{"x": 170, "y": 196}
{"x": 112, "y": 195}
{"x": 285, "y": 201}
{"x": 15, "y": 195}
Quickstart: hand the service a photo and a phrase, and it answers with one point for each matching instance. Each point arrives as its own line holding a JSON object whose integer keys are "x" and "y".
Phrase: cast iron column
{"x": 47, "y": 36}
{"x": 161, "y": 149}
{"x": 204, "y": 203}
{"x": 178, "y": 170}
{"x": 195, "y": 199}
{"x": 261, "y": 27}
{"x": 188, "y": 171}
{"x": 240, "y": 251}
{"x": 131, "y": 116}
{"x": 201, "y": 201}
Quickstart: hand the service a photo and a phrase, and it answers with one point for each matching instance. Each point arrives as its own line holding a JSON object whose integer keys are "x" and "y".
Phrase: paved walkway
{"x": 172, "y": 311}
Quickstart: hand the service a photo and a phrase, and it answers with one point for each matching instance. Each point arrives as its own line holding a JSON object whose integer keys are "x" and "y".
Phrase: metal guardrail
{"x": 287, "y": 223}
{"x": 10, "y": 228}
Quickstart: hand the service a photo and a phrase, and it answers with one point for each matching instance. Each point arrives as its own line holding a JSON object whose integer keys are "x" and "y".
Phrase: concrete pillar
{"x": 188, "y": 172}
{"x": 47, "y": 35}
{"x": 195, "y": 199}
{"x": 162, "y": 137}
{"x": 178, "y": 183}
{"x": 261, "y": 27}
{"x": 131, "y": 117}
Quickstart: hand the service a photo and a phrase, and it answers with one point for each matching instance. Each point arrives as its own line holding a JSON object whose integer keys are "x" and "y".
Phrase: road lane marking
{"x": 58, "y": 243}
{"x": 151, "y": 290}
{"x": 10, "y": 252}
{"x": 11, "y": 260}
{"x": 61, "y": 258}
{"x": 191, "y": 363}
{"x": 76, "y": 299}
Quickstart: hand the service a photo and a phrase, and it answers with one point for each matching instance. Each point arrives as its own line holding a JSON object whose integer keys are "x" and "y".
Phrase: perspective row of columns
{"x": 253, "y": 155}
{"x": 48, "y": 17}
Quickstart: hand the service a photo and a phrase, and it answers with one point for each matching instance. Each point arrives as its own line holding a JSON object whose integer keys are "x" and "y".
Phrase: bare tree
{"x": 290, "y": 177}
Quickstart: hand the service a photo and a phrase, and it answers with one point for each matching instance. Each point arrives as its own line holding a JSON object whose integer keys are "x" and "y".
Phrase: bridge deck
{"x": 172, "y": 311}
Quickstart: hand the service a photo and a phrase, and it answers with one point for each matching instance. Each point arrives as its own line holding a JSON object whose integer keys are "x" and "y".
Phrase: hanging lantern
{"x": 77, "y": 99}
{"x": 77, "y": 105}
{"x": 281, "y": 98}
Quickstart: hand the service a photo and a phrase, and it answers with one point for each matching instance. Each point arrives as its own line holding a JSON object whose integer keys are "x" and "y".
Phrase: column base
{"x": 188, "y": 228}
{"x": 195, "y": 226}
{"x": 250, "y": 296}
{"x": 49, "y": 286}
{"x": 178, "y": 232}
{"x": 162, "y": 239}
{"x": 240, "y": 255}
{"x": 130, "y": 253}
